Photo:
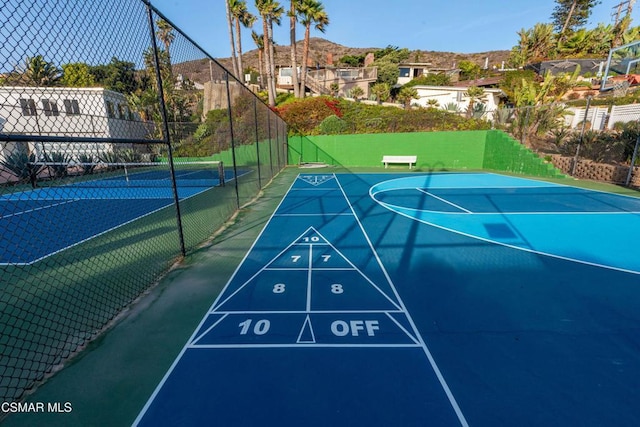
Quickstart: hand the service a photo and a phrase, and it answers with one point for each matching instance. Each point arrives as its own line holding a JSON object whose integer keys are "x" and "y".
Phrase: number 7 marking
{"x": 295, "y": 258}
{"x": 325, "y": 258}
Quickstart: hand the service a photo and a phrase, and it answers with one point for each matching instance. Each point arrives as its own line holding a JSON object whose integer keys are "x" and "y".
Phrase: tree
{"x": 353, "y": 61}
{"x": 387, "y": 60}
{"x": 475, "y": 94}
{"x": 232, "y": 42}
{"x": 119, "y": 76}
{"x": 293, "y": 21}
{"x": 534, "y": 44}
{"x": 357, "y": 92}
{"x": 77, "y": 75}
{"x": 270, "y": 11}
{"x": 165, "y": 35}
{"x": 569, "y": 15}
{"x": 311, "y": 13}
{"x": 382, "y": 91}
{"x": 431, "y": 79}
{"x": 241, "y": 17}
{"x": 469, "y": 70}
{"x": 405, "y": 96}
{"x": 39, "y": 72}
{"x": 258, "y": 39}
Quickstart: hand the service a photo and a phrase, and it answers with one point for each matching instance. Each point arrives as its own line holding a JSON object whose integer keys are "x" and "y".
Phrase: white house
{"x": 451, "y": 97}
{"x": 412, "y": 70}
{"x": 71, "y": 112}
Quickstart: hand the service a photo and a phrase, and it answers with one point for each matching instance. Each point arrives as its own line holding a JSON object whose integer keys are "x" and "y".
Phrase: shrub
{"x": 332, "y": 125}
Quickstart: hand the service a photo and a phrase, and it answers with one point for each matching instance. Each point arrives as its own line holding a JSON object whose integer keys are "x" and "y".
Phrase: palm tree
{"x": 535, "y": 43}
{"x": 165, "y": 35}
{"x": 234, "y": 58}
{"x": 311, "y": 12}
{"x": 433, "y": 103}
{"x": 382, "y": 91}
{"x": 259, "y": 41}
{"x": 406, "y": 94}
{"x": 270, "y": 11}
{"x": 39, "y": 72}
{"x": 475, "y": 94}
{"x": 241, "y": 15}
{"x": 293, "y": 20}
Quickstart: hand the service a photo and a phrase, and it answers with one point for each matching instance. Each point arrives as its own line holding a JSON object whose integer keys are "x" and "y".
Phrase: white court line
{"x": 37, "y": 209}
{"x": 426, "y": 350}
{"x": 302, "y": 345}
{"x": 144, "y": 410}
{"x": 444, "y": 200}
{"x": 314, "y": 215}
{"x": 510, "y": 213}
{"x": 243, "y": 312}
{"x": 170, "y": 203}
{"x": 210, "y": 328}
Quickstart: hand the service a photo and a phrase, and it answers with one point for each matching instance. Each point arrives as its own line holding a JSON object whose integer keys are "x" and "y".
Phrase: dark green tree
{"x": 119, "y": 76}
{"x": 569, "y": 15}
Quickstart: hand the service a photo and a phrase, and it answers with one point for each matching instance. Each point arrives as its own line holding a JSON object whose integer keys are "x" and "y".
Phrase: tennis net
{"x": 129, "y": 174}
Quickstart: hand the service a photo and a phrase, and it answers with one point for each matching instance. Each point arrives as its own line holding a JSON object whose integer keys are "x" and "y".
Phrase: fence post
{"x": 270, "y": 146}
{"x": 233, "y": 144}
{"x": 633, "y": 162}
{"x": 165, "y": 127}
{"x": 255, "y": 126}
{"x": 584, "y": 125}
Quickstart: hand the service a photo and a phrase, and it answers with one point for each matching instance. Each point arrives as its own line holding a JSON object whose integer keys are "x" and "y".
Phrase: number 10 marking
{"x": 261, "y": 327}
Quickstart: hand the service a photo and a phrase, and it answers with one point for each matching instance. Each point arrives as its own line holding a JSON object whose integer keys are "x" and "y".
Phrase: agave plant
{"x": 22, "y": 164}
{"x": 88, "y": 164}
{"x": 59, "y": 164}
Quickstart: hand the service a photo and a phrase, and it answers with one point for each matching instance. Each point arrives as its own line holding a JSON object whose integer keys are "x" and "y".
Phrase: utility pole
{"x": 625, "y": 7}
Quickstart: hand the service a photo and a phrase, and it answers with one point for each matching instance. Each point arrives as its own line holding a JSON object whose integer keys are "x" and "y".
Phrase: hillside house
{"x": 454, "y": 98}
{"x": 320, "y": 81}
{"x": 413, "y": 70}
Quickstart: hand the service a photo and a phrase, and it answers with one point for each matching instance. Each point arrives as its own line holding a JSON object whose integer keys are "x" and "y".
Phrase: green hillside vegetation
{"x": 327, "y": 115}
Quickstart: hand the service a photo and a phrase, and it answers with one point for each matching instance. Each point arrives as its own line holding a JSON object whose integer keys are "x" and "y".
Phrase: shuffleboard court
{"x": 379, "y": 299}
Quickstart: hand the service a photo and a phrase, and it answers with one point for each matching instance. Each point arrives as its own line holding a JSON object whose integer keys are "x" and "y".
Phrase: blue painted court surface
{"x": 38, "y": 223}
{"x": 422, "y": 300}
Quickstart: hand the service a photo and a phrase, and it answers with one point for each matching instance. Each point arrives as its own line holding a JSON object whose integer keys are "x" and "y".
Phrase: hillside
{"x": 322, "y": 51}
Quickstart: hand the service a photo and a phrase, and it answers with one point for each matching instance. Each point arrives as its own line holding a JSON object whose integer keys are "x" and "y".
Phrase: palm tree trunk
{"x": 239, "y": 38}
{"x": 231, "y": 39}
{"x": 272, "y": 62}
{"x": 261, "y": 66}
{"x": 267, "y": 61}
{"x": 294, "y": 61}
{"x": 305, "y": 58}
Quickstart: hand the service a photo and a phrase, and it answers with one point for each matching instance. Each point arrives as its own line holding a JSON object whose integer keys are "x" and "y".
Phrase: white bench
{"x": 399, "y": 159}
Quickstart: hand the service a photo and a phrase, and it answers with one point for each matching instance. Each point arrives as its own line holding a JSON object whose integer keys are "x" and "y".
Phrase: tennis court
{"x": 421, "y": 299}
{"x": 91, "y": 205}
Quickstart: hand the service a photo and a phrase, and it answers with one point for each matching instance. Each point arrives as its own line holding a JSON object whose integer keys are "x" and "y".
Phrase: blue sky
{"x": 465, "y": 26}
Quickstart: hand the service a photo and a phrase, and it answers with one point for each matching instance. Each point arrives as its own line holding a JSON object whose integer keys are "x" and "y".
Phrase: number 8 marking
{"x": 279, "y": 288}
{"x": 336, "y": 288}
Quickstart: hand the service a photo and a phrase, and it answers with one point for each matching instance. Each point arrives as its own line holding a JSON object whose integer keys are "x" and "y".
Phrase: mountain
{"x": 324, "y": 52}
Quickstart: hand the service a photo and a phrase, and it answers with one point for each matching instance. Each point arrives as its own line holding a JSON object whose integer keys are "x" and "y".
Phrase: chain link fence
{"x": 123, "y": 147}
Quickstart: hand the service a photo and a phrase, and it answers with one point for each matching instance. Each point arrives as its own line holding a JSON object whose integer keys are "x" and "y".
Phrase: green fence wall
{"x": 474, "y": 150}
{"x": 504, "y": 153}
{"x": 435, "y": 150}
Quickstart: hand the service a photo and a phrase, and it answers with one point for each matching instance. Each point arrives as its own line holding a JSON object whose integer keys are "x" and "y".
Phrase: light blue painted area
{"x": 458, "y": 180}
{"x": 606, "y": 239}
